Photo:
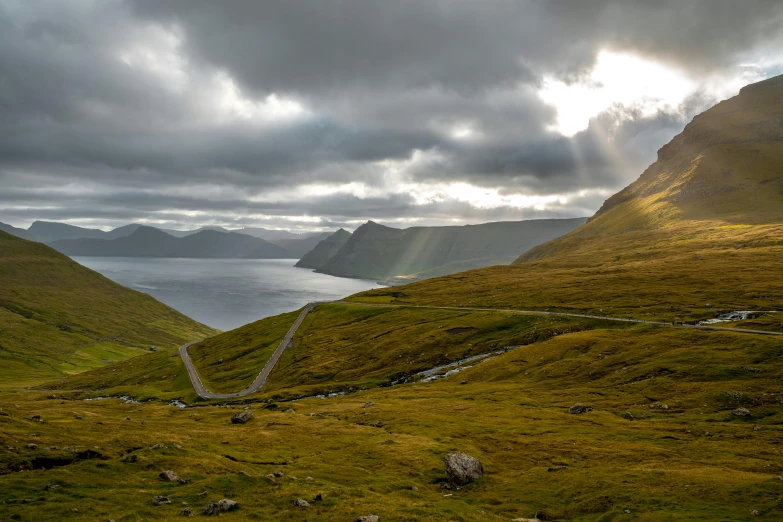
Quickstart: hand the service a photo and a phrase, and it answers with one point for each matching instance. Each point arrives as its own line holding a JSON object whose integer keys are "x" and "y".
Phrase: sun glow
{"x": 617, "y": 79}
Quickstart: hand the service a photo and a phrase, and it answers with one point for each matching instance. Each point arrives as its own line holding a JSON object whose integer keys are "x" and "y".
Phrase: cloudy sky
{"x": 310, "y": 115}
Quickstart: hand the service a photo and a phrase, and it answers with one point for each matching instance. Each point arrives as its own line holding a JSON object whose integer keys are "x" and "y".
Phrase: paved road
{"x": 260, "y": 380}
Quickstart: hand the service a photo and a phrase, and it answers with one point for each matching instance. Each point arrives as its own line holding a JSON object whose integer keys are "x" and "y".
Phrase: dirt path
{"x": 260, "y": 380}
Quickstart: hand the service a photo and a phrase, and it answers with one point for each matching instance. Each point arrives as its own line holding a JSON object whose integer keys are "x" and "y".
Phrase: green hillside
{"x": 58, "y": 317}
{"x": 699, "y": 233}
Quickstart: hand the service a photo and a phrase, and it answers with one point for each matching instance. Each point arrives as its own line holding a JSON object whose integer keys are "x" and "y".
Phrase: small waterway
{"x": 737, "y": 315}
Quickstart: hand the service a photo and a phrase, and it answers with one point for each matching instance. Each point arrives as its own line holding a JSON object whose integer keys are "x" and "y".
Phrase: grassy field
{"x": 683, "y": 457}
{"x": 58, "y": 317}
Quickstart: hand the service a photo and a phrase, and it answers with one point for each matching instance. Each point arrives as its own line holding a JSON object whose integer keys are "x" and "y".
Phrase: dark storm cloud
{"x": 120, "y": 101}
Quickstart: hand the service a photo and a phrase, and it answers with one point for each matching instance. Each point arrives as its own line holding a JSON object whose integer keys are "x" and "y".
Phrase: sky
{"x": 315, "y": 115}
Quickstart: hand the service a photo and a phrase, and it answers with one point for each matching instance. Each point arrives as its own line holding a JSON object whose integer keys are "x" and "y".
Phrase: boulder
{"x": 159, "y": 445}
{"x": 242, "y": 417}
{"x": 186, "y": 512}
{"x": 577, "y": 409}
{"x": 628, "y": 415}
{"x": 225, "y": 505}
{"x": 131, "y": 458}
{"x": 32, "y": 446}
{"x": 368, "y": 404}
{"x": 222, "y": 506}
{"x": 169, "y": 476}
{"x": 741, "y": 412}
{"x": 278, "y": 474}
{"x": 161, "y": 500}
{"x": 301, "y": 503}
{"x": 462, "y": 469}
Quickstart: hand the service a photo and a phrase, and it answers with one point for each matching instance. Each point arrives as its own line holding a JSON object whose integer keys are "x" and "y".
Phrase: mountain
{"x": 48, "y": 231}
{"x": 298, "y": 247}
{"x": 271, "y": 235}
{"x": 378, "y": 252}
{"x": 700, "y": 232}
{"x": 57, "y": 316}
{"x": 151, "y": 242}
{"x": 324, "y": 250}
{"x": 18, "y": 232}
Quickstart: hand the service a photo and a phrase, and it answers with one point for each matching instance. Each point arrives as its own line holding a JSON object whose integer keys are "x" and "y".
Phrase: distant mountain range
{"x": 136, "y": 240}
{"x": 151, "y": 242}
{"x": 393, "y": 256}
{"x": 398, "y": 256}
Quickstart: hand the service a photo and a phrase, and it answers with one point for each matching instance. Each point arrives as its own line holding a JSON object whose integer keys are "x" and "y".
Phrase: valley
{"x": 589, "y": 387}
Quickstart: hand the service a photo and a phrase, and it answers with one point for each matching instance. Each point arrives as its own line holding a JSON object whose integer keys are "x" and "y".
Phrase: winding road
{"x": 260, "y": 380}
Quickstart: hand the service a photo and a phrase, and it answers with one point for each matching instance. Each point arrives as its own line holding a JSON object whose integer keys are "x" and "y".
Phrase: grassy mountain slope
{"x": 57, "y": 316}
{"x": 700, "y": 232}
{"x": 324, "y": 250}
{"x": 660, "y": 440}
{"x": 378, "y": 252}
{"x": 151, "y": 242}
{"x": 18, "y": 232}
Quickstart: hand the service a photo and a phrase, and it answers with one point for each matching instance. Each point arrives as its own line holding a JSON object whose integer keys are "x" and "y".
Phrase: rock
{"x": 36, "y": 417}
{"x": 368, "y": 518}
{"x": 178, "y": 446}
{"x": 462, "y": 469}
{"x": 414, "y": 488}
{"x": 301, "y": 503}
{"x": 202, "y": 494}
{"x": 52, "y": 487}
{"x": 368, "y": 404}
{"x": 131, "y": 458}
{"x": 290, "y": 410}
{"x": 741, "y": 412}
{"x": 211, "y": 510}
{"x": 127, "y": 418}
{"x": 186, "y": 512}
{"x": 577, "y": 409}
{"x": 159, "y": 445}
{"x": 557, "y": 468}
{"x": 222, "y": 506}
{"x": 463, "y": 382}
{"x": 756, "y": 428}
{"x": 78, "y": 417}
{"x": 243, "y": 473}
{"x": 184, "y": 481}
{"x": 143, "y": 422}
{"x": 169, "y": 476}
{"x": 525, "y": 520}
{"x": 242, "y": 417}
{"x": 161, "y": 500}
{"x": 225, "y": 505}
{"x": 32, "y": 446}
{"x": 279, "y": 474}
{"x": 628, "y": 415}
{"x": 318, "y": 498}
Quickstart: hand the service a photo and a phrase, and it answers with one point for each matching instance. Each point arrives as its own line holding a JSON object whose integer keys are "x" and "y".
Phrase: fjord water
{"x": 225, "y": 293}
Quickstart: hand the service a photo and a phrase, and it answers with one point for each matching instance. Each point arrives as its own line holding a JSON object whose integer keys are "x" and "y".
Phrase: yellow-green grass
{"x": 679, "y": 271}
{"x": 337, "y": 348}
{"x": 58, "y": 317}
{"x": 692, "y": 460}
